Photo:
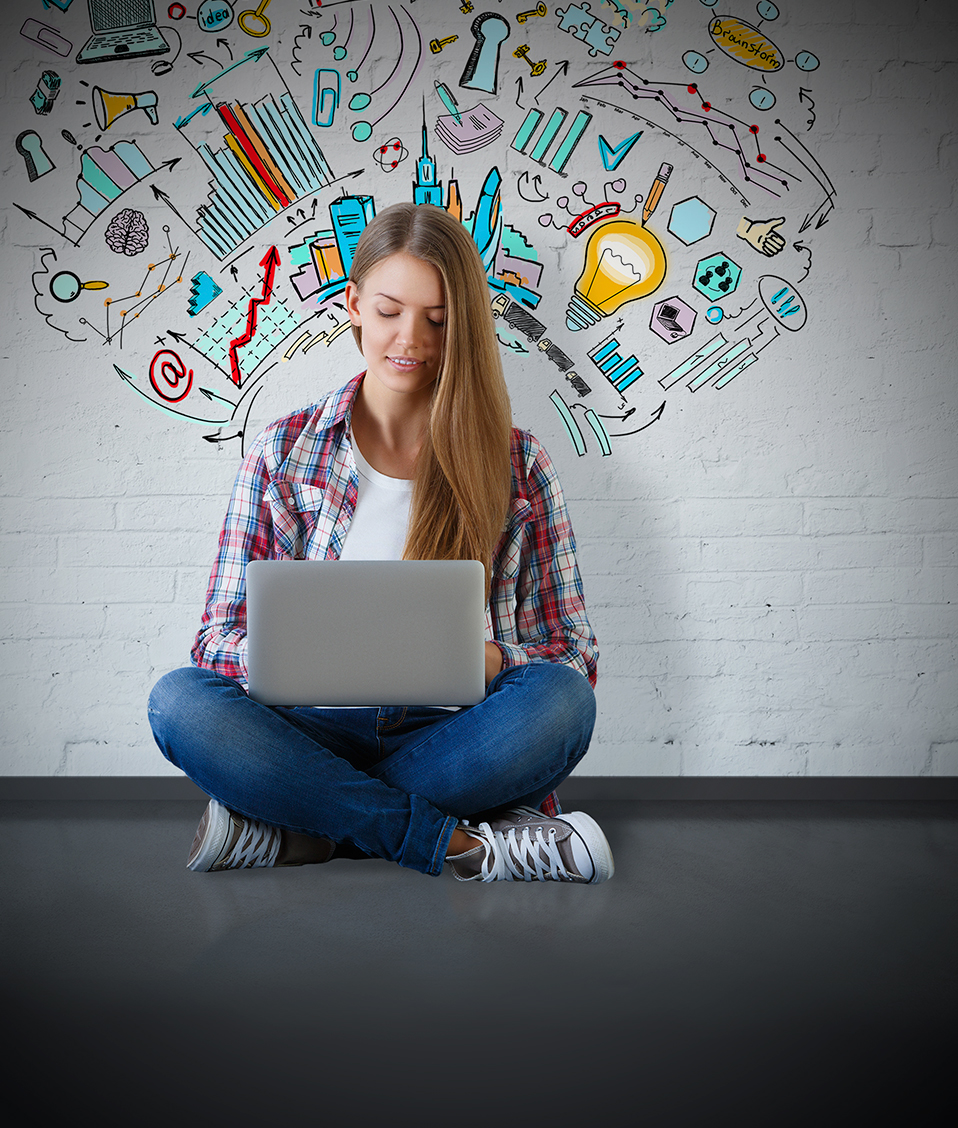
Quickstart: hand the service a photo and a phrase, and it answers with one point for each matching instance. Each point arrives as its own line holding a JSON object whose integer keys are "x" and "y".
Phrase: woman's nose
{"x": 410, "y": 332}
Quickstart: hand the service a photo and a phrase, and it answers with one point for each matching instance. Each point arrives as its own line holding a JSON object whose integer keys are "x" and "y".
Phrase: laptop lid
{"x": 366, "y": 632}
{"x": 114, "y": 15}
{"x": 122, "y": 29}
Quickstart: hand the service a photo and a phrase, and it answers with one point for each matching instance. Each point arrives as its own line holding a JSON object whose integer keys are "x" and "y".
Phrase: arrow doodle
{"x": 802, "y": 92}
{"x": 270, "y": 261}
{"x": 656, "y": 416}
{"x": 197, "y": 56}
{"x": 562, "y": 68}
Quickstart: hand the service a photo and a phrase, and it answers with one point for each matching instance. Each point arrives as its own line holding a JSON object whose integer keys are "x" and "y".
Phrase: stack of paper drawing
{"x": 472, "y": 129}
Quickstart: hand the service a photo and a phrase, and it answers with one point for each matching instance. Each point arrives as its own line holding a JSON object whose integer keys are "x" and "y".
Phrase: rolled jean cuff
{"x": 439, "y": 855}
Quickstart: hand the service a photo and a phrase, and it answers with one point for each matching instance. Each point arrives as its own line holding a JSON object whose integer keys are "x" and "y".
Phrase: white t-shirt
{"x": 380, "y": 519}
{"x": 378, "y": 528}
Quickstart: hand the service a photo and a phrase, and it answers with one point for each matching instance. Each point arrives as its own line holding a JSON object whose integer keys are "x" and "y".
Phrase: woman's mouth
{"x": 407, "y": 362}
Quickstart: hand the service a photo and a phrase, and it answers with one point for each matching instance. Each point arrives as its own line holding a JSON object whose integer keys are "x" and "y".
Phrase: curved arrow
{"x": 656, "y": 416}
{"x": 129, "y": 380}
{"x": 524, "y": 178}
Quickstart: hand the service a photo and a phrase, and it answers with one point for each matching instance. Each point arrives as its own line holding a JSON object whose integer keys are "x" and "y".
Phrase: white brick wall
{"x": 772, "y": 570}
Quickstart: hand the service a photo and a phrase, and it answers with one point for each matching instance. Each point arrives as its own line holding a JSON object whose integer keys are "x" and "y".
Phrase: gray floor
{"x": 750, "y": 962}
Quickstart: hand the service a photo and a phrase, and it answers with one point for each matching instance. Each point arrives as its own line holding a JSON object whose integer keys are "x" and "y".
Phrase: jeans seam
{"x": 437, "y": 861}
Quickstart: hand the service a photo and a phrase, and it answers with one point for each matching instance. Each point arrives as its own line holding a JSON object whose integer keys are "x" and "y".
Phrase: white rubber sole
{"x": 217, "y": 819}
{"x": 600, "y": 852}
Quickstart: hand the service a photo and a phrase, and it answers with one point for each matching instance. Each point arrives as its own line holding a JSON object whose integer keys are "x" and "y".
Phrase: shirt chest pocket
{"x": 509, "y": 556}
{"x": 304, "y": 518}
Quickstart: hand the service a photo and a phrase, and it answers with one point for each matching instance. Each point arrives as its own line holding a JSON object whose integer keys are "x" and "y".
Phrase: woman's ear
{"x": 352, "y": 303}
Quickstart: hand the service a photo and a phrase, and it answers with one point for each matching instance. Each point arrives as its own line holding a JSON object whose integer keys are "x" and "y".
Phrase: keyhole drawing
{"x": 482, "y": 67}
{"x": 30, "y": 147}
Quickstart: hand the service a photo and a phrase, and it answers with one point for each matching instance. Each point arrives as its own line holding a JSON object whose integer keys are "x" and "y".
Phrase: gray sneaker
{"x": 523, "y": 844}
{"x": 227, "y": 840}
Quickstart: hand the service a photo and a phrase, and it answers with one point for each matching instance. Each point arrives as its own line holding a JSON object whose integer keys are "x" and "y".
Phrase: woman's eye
{"x": 438, "y": 324}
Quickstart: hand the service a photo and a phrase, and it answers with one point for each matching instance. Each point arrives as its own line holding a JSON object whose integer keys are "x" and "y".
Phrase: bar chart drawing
{"x": 607, "y": 357}
{"x": 550, "y": 132}
{"x": 105, "y": 174}
{"x": 268, "y": 159}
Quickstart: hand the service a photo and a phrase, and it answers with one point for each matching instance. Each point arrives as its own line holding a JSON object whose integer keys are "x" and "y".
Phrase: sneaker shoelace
{"x": 258, "y": 844}
{"x": 512, "y": 855}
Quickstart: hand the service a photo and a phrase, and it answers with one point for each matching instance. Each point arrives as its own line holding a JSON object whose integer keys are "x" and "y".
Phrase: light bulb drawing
{"x": 623, "y": 261}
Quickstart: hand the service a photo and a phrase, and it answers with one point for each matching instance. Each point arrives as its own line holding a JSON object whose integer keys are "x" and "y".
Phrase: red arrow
{"x": 270, "y": 262}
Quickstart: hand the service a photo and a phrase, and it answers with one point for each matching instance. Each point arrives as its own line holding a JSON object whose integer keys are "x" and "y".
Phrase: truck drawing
{"x": 517, "y": 318}
{"x": 555, "y": 354}
{"x": 578, "y": 383}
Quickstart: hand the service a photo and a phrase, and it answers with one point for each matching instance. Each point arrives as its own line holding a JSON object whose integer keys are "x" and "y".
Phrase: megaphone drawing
{"x": 108, "y": 105}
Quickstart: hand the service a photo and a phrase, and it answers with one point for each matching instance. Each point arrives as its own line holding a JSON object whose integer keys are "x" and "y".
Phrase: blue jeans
{"x": 389, "y": 782}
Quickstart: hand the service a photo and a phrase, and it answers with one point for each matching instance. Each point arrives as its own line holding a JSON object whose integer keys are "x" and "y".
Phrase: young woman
{"x": 416, "y": 458}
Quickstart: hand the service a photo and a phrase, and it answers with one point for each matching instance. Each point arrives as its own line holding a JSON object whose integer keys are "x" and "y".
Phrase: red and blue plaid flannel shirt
{"x": 295, "y": 495}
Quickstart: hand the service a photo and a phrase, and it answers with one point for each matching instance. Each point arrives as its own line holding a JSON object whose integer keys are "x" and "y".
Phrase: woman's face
{"x": 401, "y": 310}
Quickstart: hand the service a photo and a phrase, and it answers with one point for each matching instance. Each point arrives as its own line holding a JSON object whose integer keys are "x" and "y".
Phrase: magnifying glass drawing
{"x": 66, "y": 286}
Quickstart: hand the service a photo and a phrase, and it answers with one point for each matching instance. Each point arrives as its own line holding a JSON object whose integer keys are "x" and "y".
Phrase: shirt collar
{"x": 339, "y": 407}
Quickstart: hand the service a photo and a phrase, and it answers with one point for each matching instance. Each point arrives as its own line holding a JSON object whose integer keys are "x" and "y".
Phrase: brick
{"x": 752, "y": 517}
{"x": 940, "y": 551}
{"x": 885, "y": 585}
{"x": 880, "y": 515}
{"x": 745, "y": 591}
{"x": 57, "y": 515}
{"x": 903, "y": 81}
{"x": 88, "y": 585}
{"x": 943, "y": 758}
{"x": 762, "y": 756}
{"x": 203, "y": 515}
{"x": 878, "y": 621}
{"x": 901, "y": 228}
{"x": 887, "y": 189}
{"x": 695, "y": 624}
{"x": 779, "y": 554}
{"x": 33, "y": 621}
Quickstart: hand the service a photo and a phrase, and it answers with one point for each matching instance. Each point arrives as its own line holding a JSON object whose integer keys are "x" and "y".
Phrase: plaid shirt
{"x": 294, "y": 498}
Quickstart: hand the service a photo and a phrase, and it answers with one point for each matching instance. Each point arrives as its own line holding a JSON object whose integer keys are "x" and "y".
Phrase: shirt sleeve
{"x": 247, "y": 534}
{"x": 550, "y": 614}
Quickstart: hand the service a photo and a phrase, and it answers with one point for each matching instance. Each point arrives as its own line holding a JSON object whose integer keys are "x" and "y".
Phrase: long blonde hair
{"x": 463, "y": 479}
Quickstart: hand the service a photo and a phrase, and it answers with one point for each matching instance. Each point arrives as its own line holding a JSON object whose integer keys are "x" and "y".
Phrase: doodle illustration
{"x": 198, "y": 222}
{"x": 122, "y": 29}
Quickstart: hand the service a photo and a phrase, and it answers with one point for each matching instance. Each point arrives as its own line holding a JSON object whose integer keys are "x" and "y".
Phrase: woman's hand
{"x": 493, "y": 661}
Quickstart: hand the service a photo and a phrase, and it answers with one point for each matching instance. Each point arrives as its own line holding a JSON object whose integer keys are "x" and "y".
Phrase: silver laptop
{"x": 366, "y": 632}
{"x": 122, "y": 29}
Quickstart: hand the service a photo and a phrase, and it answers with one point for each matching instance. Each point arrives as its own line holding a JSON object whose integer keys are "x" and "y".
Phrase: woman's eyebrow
{"x": 389, "y": 297}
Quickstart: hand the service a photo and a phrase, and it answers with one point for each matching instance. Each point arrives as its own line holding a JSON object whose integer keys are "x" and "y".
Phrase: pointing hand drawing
{"x": 761, "y": 234}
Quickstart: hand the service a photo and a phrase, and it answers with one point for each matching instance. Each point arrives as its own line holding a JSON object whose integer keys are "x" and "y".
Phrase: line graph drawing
{"x": 723, "y": 129}
{"x": 141, "y": 301}
{"x": 269, "y": 262}
{"x": 251, "y": 325}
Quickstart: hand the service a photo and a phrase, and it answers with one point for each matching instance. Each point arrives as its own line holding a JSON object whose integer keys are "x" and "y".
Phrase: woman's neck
{"x": 389, "y": 430}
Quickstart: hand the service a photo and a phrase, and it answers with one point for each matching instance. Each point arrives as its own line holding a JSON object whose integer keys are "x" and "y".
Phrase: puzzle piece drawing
{"x": 601, "y": 37}
{"x": 578, "y": 20}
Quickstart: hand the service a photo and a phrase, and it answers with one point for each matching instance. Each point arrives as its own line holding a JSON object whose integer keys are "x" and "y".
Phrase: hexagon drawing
{"x": 672, "y": 320}
{"x": 716, "y": 276}
{"x": 691, "y": 220}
